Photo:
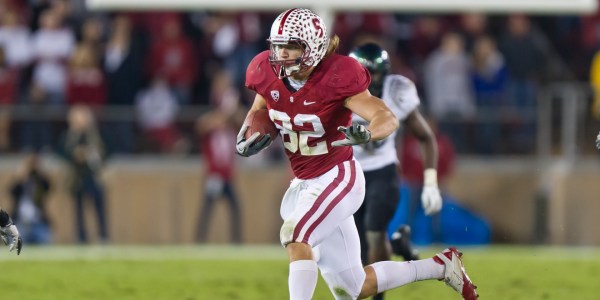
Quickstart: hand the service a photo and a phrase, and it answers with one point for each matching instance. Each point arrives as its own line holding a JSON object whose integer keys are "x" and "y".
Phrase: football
{"x": 259, "y": 121}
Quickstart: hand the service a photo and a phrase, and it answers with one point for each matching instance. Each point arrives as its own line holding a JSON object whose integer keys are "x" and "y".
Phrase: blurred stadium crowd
{"x": 148, "y": 76}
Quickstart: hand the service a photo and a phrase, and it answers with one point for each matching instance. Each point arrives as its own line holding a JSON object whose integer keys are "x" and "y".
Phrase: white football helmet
{"x": 304, "y": 28}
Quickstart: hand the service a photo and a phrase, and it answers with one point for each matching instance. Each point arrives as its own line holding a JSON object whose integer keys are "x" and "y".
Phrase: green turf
{"x": 261, "y": 273}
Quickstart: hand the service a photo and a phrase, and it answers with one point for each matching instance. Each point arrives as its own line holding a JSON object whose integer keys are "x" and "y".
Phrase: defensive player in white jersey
{"x": 379, "y": 161}
{"x": 310, "y": 93}
{"x": 9, "y": 232}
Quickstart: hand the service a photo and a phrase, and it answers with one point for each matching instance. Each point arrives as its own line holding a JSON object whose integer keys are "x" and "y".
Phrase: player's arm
{"x": 253, "y": 144}
{"x": 431, "y": 198}
{"x": 421, "y": 130}
{"x": 259, "y": 103}
{"x": 382, "y": 122}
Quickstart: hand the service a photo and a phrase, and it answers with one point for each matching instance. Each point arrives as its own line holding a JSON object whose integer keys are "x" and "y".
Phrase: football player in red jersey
{"x": 9, "y": 232}
{"x": 311, "y": 93}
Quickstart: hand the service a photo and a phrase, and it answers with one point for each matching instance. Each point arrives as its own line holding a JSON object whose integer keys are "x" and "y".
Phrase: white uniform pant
{"x": 318, "y": 212}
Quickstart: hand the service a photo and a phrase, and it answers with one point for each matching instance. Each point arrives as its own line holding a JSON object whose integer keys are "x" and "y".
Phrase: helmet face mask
{"x": 377, "y": 61}
{"x": 294, "y": 29}
{"x": 284, "y": 67}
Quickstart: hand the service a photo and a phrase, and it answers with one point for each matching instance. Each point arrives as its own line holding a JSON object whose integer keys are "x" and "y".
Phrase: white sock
{"x": 392, "y": 274}
{"x": 302, "y": 280}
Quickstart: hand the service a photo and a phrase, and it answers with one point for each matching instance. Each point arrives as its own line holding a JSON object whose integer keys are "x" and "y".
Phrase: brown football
{"x": 259, "y": 121}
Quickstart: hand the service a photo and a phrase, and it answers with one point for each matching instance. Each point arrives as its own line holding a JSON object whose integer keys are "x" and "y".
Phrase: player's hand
{"x": 598, "y": 141}
{"x": 431, "y": 199}
{"x": 248, "y": 147}
{"x": 355, "y": 134}
{"x": 10, "y": 236}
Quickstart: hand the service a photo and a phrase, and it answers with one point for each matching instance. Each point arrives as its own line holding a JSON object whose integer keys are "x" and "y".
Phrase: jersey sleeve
{"x": 349, "y": 78}
{"x": 402, "y": 94}
{"x": 256, "y": 72}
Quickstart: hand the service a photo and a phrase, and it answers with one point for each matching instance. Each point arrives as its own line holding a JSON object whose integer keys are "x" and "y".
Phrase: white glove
{"x": 598, "y": 141}
{"x": 11, "y": 238}
{"x": 355, "y": 135}
{"x": 431, "y": 199}
{"x": 248, "y": 147}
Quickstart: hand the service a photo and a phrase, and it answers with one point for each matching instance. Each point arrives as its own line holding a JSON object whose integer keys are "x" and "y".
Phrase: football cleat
{"x": 401, "y": 245}
{"x": 455, "y": 275}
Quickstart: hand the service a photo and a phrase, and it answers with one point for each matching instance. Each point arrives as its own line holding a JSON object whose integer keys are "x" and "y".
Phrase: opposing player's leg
{"x": 381, "y": 200}
{"x": 401, "y": 244}
{"x": 312, "y": 210}
{"x": 359, "y": 219}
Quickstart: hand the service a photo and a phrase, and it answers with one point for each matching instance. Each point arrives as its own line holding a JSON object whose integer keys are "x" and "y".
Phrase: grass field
{"x": 260, "y": 272}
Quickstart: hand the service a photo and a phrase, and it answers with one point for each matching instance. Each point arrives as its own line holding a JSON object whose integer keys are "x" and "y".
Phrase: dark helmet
{"x": 376, "y": 60}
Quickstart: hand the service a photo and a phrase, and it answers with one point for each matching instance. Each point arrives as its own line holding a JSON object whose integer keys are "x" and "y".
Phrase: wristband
{"x": 430, "y": 177}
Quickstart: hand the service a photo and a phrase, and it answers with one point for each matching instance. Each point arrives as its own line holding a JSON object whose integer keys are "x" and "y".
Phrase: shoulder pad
{"x": 346, "y": 75}
{"x": 258, "y": 71}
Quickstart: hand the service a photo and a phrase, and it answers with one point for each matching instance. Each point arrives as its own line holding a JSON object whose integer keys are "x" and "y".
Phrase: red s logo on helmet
{"x": 317, "y": 23}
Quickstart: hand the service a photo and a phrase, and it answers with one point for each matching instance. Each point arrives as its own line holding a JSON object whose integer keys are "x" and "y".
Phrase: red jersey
{"x": 308, "y": 119}
{"x": 86, "y": 87}
{"x": 217, "y": 161}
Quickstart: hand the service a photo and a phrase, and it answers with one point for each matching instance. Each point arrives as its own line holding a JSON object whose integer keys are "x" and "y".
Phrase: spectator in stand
{"x": 65, "y": 13}
{"x": 6, "y": 137}
{"x": 15, "y": 39}
{"x": 401, "y": 66}
{"x": 214, "y": 43}
{"x": 29, "y": 192}
{"x": 448, "y": 89}
{"x": 81, "y": 11}
{"x": 9, "y": 80}
{"x": 15, "y": 55}
{"x": 236, "y": 41}
{"x": 473, "y": 26}
{"x": 123, "y": 68}
{"x": 92, "y": 35}
{"x": 217, "y": 131}
{"x": 426, "y": 36}
{"x": 172, "y": 56}
{"x": 9, "y": 83}
{"x": 17, "y": 6}
{"x": 156, "y": 109}
{"x": 524, "y": 50}
{"x": 83, "y": 149}
{"x": 36, "y": 134}
{"x": 352, "y": 26}
{"x": 85, "y": 80}
{"x": 489, "y": 78}
{"x": 52, "y": 45}
{"x": 36, "y": 8}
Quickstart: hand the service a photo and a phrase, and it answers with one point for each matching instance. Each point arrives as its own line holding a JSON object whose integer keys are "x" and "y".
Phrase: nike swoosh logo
{"x": 309, "y": 103}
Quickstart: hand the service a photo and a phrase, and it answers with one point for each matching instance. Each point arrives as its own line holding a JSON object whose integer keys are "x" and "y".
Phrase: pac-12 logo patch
{"x": 275, "y": 95}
